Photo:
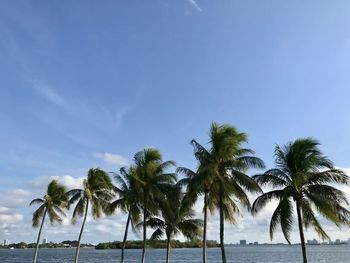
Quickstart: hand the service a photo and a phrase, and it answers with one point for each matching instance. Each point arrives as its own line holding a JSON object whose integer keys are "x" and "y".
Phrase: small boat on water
{"x": 11, "y": 248}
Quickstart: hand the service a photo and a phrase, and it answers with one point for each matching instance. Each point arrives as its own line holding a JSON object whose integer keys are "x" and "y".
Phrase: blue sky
{"x": 86, "y": 84}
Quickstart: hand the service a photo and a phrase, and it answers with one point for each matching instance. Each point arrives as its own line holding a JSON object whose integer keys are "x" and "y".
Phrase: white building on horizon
{"x": 6, "y": 242}
{"x": 44, "y": 240}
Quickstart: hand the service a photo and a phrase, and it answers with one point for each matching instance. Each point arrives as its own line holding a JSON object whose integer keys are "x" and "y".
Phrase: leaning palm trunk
{"x": 81, "y": 232}
{"x": 144, "y": 236}
{"x": 125, "y": 237}
{"x": 301, "y": 232}
{"x": 222, "y": 245}
{"x": 205, "y": 227}
{"x": 168, "y": 250}
{"x": 38, "y": 240}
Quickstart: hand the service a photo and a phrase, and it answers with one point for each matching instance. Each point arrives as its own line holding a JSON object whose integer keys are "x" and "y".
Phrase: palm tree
{"x": 52, "y": 203}
{"x": 152, "y": 182}
{"x": 225, "y": 165}
{"x": 128, "y": 202}
{"x": 177, "y": 218}
{"x": 303, "y": 175}
{"x": 197, "y": 183}
{"x": 97, "y": 192}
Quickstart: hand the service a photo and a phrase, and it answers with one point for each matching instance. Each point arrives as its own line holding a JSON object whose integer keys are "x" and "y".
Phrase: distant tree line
{"x": 137, "y": 244}
{"x": 66, "y": 243}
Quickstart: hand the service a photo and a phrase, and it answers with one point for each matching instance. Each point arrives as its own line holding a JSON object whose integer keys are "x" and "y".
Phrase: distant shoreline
{"x": 156, "y": 244}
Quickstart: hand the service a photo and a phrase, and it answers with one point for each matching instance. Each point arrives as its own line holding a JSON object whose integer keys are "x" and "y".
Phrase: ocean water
{"x": 237, "y": 254}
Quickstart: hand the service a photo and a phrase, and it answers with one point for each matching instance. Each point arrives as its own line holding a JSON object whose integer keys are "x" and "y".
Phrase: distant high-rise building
{"x": 243, "y": 242}
{"x": 44, "y": 241}
{"x": 337, "y": 241}
{"x": 312, "y": 242}
{"x": 6, "y": 242}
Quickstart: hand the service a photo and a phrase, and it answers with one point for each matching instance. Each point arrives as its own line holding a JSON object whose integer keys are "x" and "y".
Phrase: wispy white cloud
{"x": 68, "y": 181}
{"x": 8, "y": 216}
{"x": 111, "y": 158}
{"x": 16, "y": 198}
{"x": 20, "y": 192}
{"x": 49, "y": 93}
{"x": 195, "y": 5}
{"x": 120, "y": 115}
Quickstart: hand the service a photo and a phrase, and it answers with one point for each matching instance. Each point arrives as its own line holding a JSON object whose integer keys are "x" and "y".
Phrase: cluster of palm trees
{"x": 152, "y": 197}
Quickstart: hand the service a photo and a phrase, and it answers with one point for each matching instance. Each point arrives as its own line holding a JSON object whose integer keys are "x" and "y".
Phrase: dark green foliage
{"x": 97, "y": 192}
{"x": 305, "y": 176}
{"x": 53, "y": 202}
{"x": 221, "y": 174}
{"x": 52, "y": 205}
{"x": 129, "y": 199}
{"x": 153, "y": 183}
{"x": 177, "y": 217}
{"x": 137, "y": 244}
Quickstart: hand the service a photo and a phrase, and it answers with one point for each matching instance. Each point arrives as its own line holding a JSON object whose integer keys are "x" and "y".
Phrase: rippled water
{"x": 251, "y": 254}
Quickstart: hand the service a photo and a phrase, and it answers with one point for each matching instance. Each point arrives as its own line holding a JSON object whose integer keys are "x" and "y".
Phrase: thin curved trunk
{"x": 81, "y": 232}
{"x": 144, "y": 234}
{"x": 222, "y": 227}
{"x": 168, "y": 250}
{"x": 205, "y": 227}
{"x": 125, "y": 237}
{"x": 38, "y": 239}
{"x": 301, "y": 232}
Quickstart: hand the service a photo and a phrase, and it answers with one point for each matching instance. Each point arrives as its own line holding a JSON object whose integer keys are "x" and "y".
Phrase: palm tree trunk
{"x": 205, "y": 227}
{"x": 81, "y": 232}
{"x": 125, "y": 237}
{"x": 222, "y": 245}
{"x": 301, "y": 232}
{"x": 144, "y": 235}
{"x": 38, "y": 239}
{"x": 168, "y": 250}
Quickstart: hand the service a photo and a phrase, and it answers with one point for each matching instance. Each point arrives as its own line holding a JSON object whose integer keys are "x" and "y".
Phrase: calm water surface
{"x": 251, "y": 254}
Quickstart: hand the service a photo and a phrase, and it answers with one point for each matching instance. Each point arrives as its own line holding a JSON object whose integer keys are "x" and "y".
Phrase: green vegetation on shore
{"x": 138, "y": 244}
{"x": 63, "y": 244}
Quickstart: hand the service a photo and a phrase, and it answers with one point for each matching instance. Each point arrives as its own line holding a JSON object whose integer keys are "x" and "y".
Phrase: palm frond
{"x": 251, "y": 162}
{"x": 247, "y": 182}
{"x": 38, "y": 201}
{"x": 265, "y": 198}
{"x": 273, "y": 178}
{"x": 309, "y": 218}
{"x": 79, "y": 209}
{"x": 37, "y": 215}
{"x": 186, "y": 172}
{"x": 333, "y": 176}
{"x": 157, "y": 234}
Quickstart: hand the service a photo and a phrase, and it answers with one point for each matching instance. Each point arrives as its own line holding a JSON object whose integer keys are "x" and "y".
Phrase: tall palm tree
{"x": 303, "y": 175}
{"x": 97, "y": 192}
{"x": 52, "y": 203}
{"x": 153, "y": 183}
{"x": 226, "y": 163}
{"x": 197, "y": 183}
{"x": 177, "y": 216}
{"x": 128, "y": 201}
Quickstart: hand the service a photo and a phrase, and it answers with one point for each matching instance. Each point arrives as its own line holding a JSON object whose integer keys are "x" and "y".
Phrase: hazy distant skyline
{"x": 86, "y": 84}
